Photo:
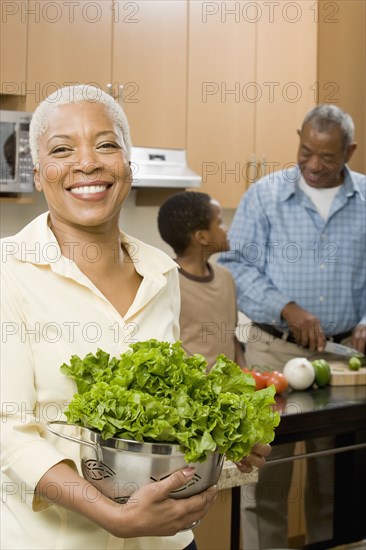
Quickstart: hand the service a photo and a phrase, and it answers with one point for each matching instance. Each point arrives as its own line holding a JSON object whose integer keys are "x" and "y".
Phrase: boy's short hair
{"x": 181, "y": 215}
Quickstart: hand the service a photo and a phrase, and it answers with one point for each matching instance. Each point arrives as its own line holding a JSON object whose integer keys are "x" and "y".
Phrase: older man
{"x": 298, "y": 258}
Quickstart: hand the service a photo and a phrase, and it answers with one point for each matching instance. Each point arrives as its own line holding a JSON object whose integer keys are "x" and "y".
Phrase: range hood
{"x": 152, "y": 167}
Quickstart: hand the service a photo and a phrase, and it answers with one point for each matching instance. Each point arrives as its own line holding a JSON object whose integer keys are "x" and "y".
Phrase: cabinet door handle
{"x": 253, "y": 169}
{"x": 263, "y": 166}
{"x": 114, "y": 90}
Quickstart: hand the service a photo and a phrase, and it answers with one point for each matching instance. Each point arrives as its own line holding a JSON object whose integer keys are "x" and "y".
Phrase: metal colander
{"x": 119, "y": 467}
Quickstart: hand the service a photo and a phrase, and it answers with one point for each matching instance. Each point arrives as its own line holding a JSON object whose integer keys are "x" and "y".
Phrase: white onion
{"x": 300, "y": 373}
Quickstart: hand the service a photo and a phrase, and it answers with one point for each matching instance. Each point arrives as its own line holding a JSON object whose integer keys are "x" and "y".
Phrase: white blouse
{"x": 49, "y": 311}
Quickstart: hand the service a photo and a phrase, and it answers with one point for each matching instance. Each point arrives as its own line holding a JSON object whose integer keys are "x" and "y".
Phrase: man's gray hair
{"x": 326, "y": 116}
{"x": 76, "y": 94}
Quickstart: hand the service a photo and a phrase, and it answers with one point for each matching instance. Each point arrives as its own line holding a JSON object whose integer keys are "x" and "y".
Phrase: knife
{"x": 340, "y": 349}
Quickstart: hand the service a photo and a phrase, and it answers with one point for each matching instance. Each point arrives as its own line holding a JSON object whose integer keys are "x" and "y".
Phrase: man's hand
{"x": 304, "y": 327}
{"x": 358, "y": 340}
{"x": 256, "y": 458}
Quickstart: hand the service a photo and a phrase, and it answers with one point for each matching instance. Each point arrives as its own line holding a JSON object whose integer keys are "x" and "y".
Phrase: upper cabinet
{"x": 342, "y": 65}
{"x": 252, "y": 75}
{"x": 220, "y": 127}
{"x": 150, "y": 69}
{"x": 137, "y": 50}
{"x": 68, "y": 42}
{"x": 286, "y": 64}
{"x": 13, "y": 47}
{"x": 230, "y": 82}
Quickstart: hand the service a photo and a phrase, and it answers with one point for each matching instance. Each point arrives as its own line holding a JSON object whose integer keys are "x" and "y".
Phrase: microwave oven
{"x": 16, "y": 166}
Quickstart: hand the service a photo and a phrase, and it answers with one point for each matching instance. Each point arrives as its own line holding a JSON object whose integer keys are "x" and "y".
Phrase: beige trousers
{"x": 264, "y": 504}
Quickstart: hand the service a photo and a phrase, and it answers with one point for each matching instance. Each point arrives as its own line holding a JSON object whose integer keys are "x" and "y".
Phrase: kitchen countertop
{"x": 335, "y": 410}
{"x": 318, "y": 412}
{"x": 309, "y": 412}
{"x": 232, "y": 477}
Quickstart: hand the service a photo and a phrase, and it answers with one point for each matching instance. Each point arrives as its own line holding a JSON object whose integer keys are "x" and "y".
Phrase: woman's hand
{"x": 151, "y": 512}
{"x": 256, "y": 458}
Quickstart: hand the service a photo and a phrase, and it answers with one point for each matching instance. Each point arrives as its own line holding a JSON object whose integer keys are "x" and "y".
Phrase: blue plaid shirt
{"x": 282, "y": 250}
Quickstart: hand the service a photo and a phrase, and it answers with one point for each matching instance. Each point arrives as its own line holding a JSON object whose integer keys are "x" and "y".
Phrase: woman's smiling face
{"x": 83, "y": 170}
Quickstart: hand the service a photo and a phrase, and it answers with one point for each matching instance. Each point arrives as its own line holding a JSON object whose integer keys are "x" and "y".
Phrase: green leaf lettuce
{"x": 156, "y": 392}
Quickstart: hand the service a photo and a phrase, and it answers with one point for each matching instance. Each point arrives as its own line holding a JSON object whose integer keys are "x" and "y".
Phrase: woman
{"x": 72, "y": 282}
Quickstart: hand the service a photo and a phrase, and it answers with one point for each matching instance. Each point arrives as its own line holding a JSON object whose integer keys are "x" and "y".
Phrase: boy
{"x": 191, "y": 223}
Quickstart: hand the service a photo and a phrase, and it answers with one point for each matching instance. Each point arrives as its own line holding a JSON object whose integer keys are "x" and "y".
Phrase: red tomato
{"x": 278, "y": 380}
{"x": 260, "y": 381}
{"x": 266, "y": 374}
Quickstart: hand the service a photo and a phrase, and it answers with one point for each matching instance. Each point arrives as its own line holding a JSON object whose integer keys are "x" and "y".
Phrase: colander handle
{"x": 51, "y": 427}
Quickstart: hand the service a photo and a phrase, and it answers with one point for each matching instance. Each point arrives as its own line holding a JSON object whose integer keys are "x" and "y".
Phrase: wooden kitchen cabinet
{"x": 13, "y": 47}
{"x": 214, "y": 530}
{"x": 228, "y": 81}
{"x": 286, "y": 75}
{"x": 150, "y": 63}
{"x": 248, "y": 90}
{"x": 342, "y": 65}
{"x": 69, "y": 42}
{"x": 220, "y": 131}
{"x": 138, "y": 48}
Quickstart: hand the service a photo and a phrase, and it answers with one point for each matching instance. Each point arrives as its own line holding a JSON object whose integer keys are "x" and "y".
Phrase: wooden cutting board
{"x": 342, "y": 375}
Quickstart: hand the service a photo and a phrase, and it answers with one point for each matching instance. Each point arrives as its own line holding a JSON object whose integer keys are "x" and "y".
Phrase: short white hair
{"x": 325, "y": 116}
{"x": 76, "y": 94}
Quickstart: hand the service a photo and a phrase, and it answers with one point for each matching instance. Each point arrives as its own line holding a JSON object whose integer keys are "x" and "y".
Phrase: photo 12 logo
{"x": 69, "y": 11}
{"x": 127, "y": 92}
{"x": 268, "y": 92}
{"x": 269, "y": 11}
